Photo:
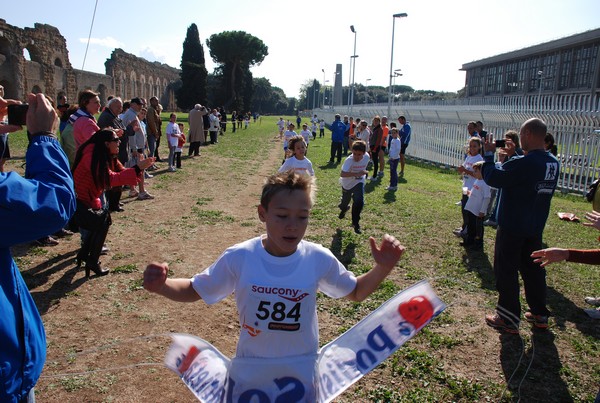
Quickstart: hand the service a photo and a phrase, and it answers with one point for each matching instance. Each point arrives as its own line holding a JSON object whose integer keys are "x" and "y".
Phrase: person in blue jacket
{"x": 31, "y": 207}
{"x": 337, "y": 138}
{"x": 526, "y": 185}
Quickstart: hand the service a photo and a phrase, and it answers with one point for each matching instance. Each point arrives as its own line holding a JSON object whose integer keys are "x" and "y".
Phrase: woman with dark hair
{"x": 93, "y": 173}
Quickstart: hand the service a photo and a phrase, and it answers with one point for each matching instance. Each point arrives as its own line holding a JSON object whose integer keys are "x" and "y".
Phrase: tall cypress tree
{"x": 193, "y": 71}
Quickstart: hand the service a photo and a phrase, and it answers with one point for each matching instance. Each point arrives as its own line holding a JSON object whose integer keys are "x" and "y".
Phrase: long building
{"x": 566, "y": 66}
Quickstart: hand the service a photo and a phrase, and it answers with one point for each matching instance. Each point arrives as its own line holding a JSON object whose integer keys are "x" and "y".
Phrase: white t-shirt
{"x": 468, "y": 180}
{"x": 172, "y": 128}
{"x": 287, "y": 137}
{"x": 479, "y": 198}
{"x": 306, "y": 135}
{"x": 275, "y": 296}
{"x": 395, "y": 146}
{"x": 364, "y": 136}
{"x": 281, "y": 125}
{"x": 352, "y": 166}
{"x": 303, "y": 166}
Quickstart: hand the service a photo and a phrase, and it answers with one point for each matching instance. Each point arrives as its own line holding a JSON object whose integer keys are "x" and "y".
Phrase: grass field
{"x": 456, "y": 357}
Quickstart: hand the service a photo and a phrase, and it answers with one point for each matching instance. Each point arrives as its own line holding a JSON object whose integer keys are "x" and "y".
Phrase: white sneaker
{"x": 391, "y": 188}
{"x": 592, "y": 301}
{"x": 147, "y": 175}
{"x": 133, "y": 193}
{"x": 172, "y": 169}
{"x": 459, "y": 232}
{"x": 373, "y": 178}
{"x": 593, "y": 313}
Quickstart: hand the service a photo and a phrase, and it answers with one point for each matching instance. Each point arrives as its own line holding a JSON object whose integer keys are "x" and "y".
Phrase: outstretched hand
{"x": 594, "y": 220}
{"x": 388, "y": 252}
{"x": 551, "y": 255}
{"x": 155, "y": 276}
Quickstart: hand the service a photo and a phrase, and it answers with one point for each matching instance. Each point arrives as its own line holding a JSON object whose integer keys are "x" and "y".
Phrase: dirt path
{"x": 109, "y": 324}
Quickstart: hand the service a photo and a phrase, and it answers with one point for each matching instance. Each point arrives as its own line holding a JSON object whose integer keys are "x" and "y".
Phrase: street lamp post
{"x": 354, "y": 56}
{"x": 400, "y": 15}
{"x": 540, "y": 74}
{"x": 367, "y": 91}
{"x": 324, "y": 86}
{"x": 396, "y": 74}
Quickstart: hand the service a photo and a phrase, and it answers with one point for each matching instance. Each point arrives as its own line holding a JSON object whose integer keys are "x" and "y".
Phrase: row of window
{"x": 574, "y": 68}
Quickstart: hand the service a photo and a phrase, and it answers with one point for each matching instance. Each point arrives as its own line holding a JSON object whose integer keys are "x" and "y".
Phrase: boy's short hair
{"x": 296, "y": 139}
{"x": 359, "y": 145}
{"x": 288, "y": 180}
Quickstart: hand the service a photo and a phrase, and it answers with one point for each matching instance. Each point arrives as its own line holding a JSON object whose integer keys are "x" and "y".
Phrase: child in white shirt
{"x": 298, "y": 161}
{"x": 394, "y": 153}
{"x": 476, "y": 208}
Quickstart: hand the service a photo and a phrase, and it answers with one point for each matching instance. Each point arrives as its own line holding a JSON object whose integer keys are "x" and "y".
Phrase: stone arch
{"x": 133, "y": 84}
{"x": 142, "y": 88}
{"x": 122, "y": 84}
{"x": 151, "y": 92}
{"x": 58, "y": 62}
{"x": 101, "y": 90}
{"x": 34, "y": 53}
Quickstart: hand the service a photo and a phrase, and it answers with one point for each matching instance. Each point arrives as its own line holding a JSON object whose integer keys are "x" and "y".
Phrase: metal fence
{"x": 439, "y": 132}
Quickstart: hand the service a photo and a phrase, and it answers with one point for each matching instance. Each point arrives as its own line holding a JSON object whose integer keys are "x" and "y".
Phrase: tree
{"x": 236, "y": 52}
{"x": 193, "y": 71}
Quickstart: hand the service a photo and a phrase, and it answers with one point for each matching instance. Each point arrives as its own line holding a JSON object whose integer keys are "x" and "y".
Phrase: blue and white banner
{"x": 212, "y": 377}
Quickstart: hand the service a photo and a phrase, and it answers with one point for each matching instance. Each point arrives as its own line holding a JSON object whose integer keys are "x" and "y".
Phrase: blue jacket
{"x": 405, "y": 134}
{"x": 337, "y": 131}
{"x": 527, "y": 184}
{"x": 30, "y": 208}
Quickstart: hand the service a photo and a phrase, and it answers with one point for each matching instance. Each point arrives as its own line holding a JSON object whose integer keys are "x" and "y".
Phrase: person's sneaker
{"x": 145, "y": 196}
{"x": 490, "y": 223}
{"x": 105, "y": 249}
{"x": 498, "y": 323}
{"x": 343, "y": 212}
{"x": 152, "y": 168}
{"x": 538, "y": 321}
{"x": 401, "y": 174}
{"x": 148, "y": 176}
{"x": 380, "y": 174}
{"x": 172, "y": 169}
{"x": 593, "y": 313}
{"x": 133, "y": 193}
{"x": 63, "y": 233}
{"x": 373, "y": 178}
{"x": 594, "y": 301}
{"x": 391, "y": 188}
{"x": 460, "y": 232}
{"x": 46, "y": 241}
{"x": 357, "y": 229}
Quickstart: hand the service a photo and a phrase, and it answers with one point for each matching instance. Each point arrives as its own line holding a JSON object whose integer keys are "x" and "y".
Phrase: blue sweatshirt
{"x": 30, "y": 208}
{"x": 337, "y": 131}
{"x": 527, "y": 183}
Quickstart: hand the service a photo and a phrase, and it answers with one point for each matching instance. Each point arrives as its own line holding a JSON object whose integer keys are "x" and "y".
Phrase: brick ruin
{"x": 50, "y": 71}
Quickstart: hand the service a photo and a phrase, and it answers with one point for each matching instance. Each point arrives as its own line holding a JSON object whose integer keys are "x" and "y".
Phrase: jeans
{"x": 151, "y": 145}
{"x": 171, "y": 156}
{"x": 394, "y": 172}
{"x": 345, "y": 144}
{"x": 357, "y": 194}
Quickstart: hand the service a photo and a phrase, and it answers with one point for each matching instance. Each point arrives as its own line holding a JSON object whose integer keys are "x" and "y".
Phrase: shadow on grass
{"x": 345, "y": 256}
{"x": 478, "y": 261}
{"x": 39, "y": 275}
{"x": 389, "y": 197}
{"x": 564, "y": 310}
{"x": 330, "y": 165}
{"x": 542, "y": 381}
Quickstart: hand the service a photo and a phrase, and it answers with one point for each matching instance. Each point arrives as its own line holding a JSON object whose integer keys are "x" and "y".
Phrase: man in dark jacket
{"x": 337, "y": 138}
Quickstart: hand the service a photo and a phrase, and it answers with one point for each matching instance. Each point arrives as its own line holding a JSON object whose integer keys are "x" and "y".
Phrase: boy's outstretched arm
{"x": 176, "y": 289}
{"x": 386, "y": 256}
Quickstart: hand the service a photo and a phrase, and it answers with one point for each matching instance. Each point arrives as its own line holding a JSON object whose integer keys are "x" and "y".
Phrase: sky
{"x": 304, "y": 38}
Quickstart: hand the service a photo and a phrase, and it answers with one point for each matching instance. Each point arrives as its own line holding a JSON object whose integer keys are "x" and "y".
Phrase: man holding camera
{"x": 32, "y": 206}
{"x": 527, "y": 184}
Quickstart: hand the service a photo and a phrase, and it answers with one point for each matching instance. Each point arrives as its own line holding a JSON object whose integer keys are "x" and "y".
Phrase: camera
{"x": 500, "y": 143}
{"x": 17, "y": 114}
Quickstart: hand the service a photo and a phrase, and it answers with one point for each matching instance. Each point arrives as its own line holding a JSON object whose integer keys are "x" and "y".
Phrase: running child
{"x": 298, "y": 161}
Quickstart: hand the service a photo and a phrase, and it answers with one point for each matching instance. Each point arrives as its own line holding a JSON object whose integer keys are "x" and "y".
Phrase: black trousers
{"x": 336, "y": 151}
{"x": 511, "y": 257}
